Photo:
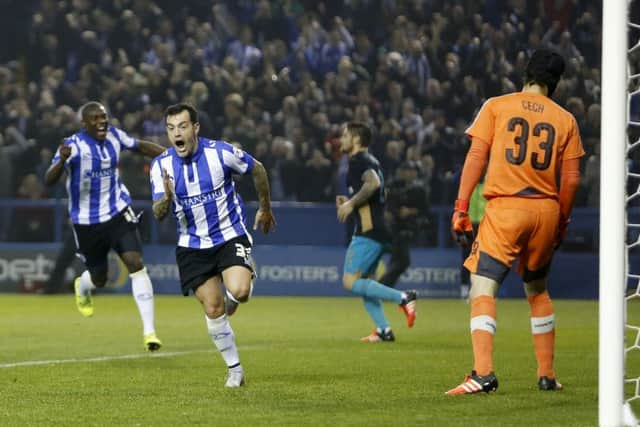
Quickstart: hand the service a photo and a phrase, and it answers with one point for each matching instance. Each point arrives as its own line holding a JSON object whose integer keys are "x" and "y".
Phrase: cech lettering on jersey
{"x": 102, "y": 173}
{"x": 200, "y": 199}
{"x": 532, "y": 106}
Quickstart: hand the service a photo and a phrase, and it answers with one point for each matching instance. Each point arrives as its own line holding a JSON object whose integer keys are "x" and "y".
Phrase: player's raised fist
{"x": 65, "y": 151}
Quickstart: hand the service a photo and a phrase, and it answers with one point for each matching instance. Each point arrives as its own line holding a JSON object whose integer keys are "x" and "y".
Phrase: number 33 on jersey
{"x": 530, "y": 135}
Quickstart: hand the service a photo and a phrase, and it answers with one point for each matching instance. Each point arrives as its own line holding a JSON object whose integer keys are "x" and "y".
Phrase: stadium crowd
{"x": 280, "y": 77}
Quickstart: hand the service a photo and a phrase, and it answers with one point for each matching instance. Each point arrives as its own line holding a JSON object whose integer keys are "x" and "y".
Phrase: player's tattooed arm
{"x": 371, "y": 183}
{"x": 150, "y": 149}
{"x": 161, "y": 206}
{"x": 264, "y": 217}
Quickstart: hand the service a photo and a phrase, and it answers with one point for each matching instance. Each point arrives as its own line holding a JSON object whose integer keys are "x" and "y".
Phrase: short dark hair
{"x": 545, "y": 67}
{"x": 88, "y": 107}
{"x": 175, "y": 109}
{"x": 362, "y": 130}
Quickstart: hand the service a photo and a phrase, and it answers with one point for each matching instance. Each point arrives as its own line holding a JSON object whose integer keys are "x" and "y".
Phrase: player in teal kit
{"x": 366, "y": 199}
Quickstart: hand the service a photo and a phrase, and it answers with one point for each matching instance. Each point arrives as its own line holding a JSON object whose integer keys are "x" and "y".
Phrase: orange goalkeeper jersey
{"x": 529, "y": 135}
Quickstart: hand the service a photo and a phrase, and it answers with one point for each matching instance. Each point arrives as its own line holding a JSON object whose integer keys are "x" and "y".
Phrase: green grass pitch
{"x": 303, "y": 360}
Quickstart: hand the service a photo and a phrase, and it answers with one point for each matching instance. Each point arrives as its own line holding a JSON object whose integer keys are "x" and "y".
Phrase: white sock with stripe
{"x": 142, "y": 291}
{"x": 222, "y": 335}
{"x": 86, "y": 285}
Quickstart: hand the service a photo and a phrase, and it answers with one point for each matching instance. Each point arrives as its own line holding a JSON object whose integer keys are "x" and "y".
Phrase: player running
{"x": 195, "y": 179}
{"x": 100, "y": 210}
{"x": 366, "y": 189}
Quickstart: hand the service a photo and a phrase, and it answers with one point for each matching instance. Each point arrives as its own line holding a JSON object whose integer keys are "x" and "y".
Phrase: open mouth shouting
{"x": 181, "y": 147}
{"x": 101, "y": 131}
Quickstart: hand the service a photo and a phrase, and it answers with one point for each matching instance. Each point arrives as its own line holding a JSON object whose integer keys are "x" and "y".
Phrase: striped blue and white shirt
{"x": 207, "y": 209}
{"x": 96, "y": 192}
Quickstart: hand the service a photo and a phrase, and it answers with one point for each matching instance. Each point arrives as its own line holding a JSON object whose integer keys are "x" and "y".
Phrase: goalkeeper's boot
{"x": 475, "y": 383}
{"x": 378, "y": 335}
{"x": 235, "y": 379}
{"x": 151, "y": 342}
{"x": 84, "y": 303}
{"x": 549, "y": 384}
{"x": 408, "y": 307}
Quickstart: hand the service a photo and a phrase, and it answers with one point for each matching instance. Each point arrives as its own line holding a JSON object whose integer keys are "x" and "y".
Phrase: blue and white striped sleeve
{"x": 236, "y": 159}
{"x": 127, "y": 141}
{"x": 157, "y": 186}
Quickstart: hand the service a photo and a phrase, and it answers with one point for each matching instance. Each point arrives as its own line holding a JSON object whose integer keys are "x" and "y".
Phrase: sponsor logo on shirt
{"x": 102, "y": 173}
{"x": 200, "y": 199}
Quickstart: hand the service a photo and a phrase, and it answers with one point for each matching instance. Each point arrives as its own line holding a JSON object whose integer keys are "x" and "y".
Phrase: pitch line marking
{"x": 100, "y": 359}
{"x": 178, "y": 353}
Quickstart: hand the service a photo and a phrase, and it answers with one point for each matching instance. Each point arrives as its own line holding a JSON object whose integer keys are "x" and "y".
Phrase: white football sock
{"x": 86, "y": 285}
{"x": 142, "y": 291}
{"x": 223, "y": 337}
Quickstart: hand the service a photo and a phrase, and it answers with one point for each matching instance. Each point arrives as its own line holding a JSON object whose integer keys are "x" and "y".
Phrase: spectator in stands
{"x": 442, "y": 56}
{"x": 198, "y": 96}
{"x": 66, "y": 256}
{"x": 243, "y": 50}
{"x": 411, "y": 121}
{"x": 317, "y": 185}
{"x": 239, "y": 127}
{"x": 393, "y": 157}
{"x": 406, "y": 215}
{"x": 35, "y": 223}
{"x": 418, "y": 69}
{"x": 153, "y": 123}
{"x": 591, "y": 180}
{"x": 12, "y": 145}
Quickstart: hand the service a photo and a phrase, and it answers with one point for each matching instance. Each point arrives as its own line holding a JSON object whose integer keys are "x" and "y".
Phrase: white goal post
{"x": 612, "y": 410}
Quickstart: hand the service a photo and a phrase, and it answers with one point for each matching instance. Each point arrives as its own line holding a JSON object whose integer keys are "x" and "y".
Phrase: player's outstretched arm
{"x": 150, "y": 149}
{"x": 53, "y": 174}
{"x": 264, "y": 217}
{"x": 370, "y": 184}
{"x": 161, "y": 206}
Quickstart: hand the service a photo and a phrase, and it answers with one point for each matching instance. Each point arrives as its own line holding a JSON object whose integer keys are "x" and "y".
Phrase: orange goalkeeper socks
{"x": 544, "y": 332}
{"x": 483, "y": 328}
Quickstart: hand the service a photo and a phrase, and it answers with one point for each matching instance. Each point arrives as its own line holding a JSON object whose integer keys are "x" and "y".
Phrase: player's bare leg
{"x": 236, "y": 293}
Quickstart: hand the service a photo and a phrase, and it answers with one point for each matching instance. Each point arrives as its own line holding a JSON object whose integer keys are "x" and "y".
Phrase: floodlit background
{"x": 279, "y": 78}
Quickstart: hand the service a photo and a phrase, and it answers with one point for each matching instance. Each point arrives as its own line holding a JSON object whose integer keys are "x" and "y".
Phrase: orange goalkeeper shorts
{"x": 515, "y": 228}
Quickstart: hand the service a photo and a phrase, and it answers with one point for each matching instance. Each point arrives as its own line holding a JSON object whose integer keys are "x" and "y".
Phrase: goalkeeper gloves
{"x": 461, "y": 228}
